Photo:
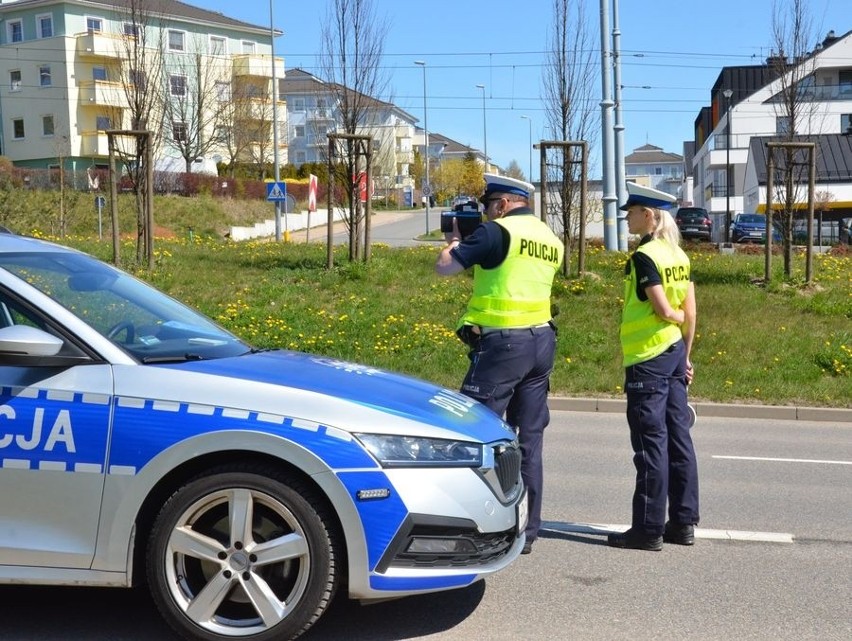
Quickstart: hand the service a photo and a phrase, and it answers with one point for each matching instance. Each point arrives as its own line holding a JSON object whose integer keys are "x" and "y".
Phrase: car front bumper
{"x": 460, "y": 526}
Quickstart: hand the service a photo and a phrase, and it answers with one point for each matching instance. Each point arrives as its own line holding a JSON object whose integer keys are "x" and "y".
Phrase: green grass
{"x": 786, "y": 344}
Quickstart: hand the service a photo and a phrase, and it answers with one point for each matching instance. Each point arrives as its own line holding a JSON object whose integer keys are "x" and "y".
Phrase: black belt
{"x": 529, "y": 329}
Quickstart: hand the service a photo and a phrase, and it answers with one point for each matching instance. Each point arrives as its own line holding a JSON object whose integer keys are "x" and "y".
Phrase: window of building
{"x": 218, "y": 45}
{"x": 99, "y": 73}
{"x": 658, "y": 171}
{"x": 47, "y": 125}
{"x": 281, "y": 88}
{"x": 177, "y": 85}
{"x": 44, "y": 26}
{"x": 131, "y": 30}
{"x": 223, "y": 91}
{"x": 179, "y": 131}
{"x": 15, "y": 80}
{"x": 844, "y": 80}
{"x": 301, "y": 157}
{"x": 102, "y": 123}
{"x": 248, "y": 46}
{"x": 300, "y": 131}
{"x": 94, "y": 25}
{"x": 15, "y": 30}
{"x": 44, "y": 78}
{"x": 298, "y": 104}
{"x": 176, "y": 40}
{"x": 18, "y": 128}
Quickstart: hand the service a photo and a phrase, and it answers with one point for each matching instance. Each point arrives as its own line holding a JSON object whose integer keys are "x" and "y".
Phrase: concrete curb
{"x": 722, "y": 410}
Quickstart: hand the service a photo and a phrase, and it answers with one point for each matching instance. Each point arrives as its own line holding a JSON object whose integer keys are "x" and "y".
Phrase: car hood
{"x": 297, "y": 375}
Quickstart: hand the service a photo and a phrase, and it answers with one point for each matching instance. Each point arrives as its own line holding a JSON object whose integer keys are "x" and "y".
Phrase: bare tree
{"x": 141, "y": 67}
{"x": 568, "y": 78}
{"x": 233, "y": 131}
{"x": 193, "y": 105}
{"x": 796, "y": 107}
{"x": 353, "y": 39}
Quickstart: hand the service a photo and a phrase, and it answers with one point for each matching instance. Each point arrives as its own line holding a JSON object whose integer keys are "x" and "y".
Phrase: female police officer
{"x": 657, "y": 330}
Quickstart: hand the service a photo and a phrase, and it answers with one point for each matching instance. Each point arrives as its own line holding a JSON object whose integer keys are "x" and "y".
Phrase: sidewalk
{"x": 723, "y": 410}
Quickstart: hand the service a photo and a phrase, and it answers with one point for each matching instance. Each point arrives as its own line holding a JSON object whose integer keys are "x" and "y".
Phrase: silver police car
{"x": 142, "y": 443}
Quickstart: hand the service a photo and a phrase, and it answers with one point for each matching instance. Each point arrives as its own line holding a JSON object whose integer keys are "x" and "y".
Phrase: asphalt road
{"x": 394, "y": 228}
{"x": 763, "y": 481}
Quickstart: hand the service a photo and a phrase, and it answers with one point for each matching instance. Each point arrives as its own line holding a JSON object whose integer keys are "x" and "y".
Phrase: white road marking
{"x": 782, "y": 460}
{"x": 700, "y": 533}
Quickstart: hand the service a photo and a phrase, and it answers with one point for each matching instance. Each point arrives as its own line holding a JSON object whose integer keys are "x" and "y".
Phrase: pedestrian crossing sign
{"x": 276, "y": 191}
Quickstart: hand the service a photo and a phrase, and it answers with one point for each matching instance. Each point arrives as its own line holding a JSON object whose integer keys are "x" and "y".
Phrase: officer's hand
{"x": 690, "y": 372}
{"x": 454, "y": 235}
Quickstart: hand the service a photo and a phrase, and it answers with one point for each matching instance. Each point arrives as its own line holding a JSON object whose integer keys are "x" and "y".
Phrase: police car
{"x": 140, "y": 443}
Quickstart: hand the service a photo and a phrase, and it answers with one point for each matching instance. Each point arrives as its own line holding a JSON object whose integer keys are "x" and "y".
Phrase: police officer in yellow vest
{"x": 657, "y": 331}
{"x": 508, "y": 324}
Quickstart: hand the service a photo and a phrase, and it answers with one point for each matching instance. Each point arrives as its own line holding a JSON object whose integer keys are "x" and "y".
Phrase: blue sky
{"x": 672, "y": 53}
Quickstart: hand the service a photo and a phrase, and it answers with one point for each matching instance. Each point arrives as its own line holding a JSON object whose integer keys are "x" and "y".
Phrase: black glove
{"x": 467, "y": 335}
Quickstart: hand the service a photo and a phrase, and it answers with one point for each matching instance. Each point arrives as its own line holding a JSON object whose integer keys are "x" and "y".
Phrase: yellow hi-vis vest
{"x": 517, "y": 292}
{"x": 645, "y": 335}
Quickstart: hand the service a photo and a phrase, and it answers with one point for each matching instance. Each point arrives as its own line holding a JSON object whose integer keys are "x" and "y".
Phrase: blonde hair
{"x": 666, "y": 228}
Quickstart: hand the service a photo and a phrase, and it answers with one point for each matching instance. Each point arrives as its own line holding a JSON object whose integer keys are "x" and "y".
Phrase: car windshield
{"x": 138, "y": 318}
{"x": 694, "y": 214}
{"x": 752, "y": 219}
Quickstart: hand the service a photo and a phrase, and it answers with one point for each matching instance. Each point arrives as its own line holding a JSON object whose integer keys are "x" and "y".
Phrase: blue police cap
{"x": 647, "y": 197}
{"x": 495, "y": 184}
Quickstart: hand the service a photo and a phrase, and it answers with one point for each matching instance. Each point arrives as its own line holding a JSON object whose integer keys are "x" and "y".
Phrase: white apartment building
{"x": 745, "y": 105}
{"x": 65, "y": 69}
{"x": 313, "y": 111}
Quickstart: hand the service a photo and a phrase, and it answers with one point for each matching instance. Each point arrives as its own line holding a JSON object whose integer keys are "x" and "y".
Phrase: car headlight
{"x": 412, "y": 451}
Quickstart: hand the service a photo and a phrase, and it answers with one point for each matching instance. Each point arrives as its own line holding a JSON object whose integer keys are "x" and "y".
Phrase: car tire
{"x": 242, "y": 551}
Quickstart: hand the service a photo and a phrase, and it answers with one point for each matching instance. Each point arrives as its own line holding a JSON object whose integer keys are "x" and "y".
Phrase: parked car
{"x": 831, "y": 232}
{"x": 751, "y": 228}
{"x": 143, "y": 444}
{"x": 694, "y": 222}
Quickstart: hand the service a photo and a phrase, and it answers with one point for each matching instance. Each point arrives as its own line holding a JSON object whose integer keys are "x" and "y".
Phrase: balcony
{"x": 317, "y": 140}
{"x": 258, "y": 66}
{"x": 406, "y": 157}
{"x": 101, "y": 93}
{"x": 319, "y": 115}
{"x": 94, "y": 143}
{"x": 95, "y": 44}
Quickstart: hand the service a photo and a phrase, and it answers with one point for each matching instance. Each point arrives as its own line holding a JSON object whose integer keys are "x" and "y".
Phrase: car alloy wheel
{"x": 236, "y": 554}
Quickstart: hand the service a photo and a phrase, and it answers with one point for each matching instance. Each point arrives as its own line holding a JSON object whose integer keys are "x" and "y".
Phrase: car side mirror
{"x": 24, "y": 340}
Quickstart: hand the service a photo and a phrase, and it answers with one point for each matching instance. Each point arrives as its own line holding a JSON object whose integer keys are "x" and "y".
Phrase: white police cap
{"x": 495, "y": 184}
{"x": 647, "y": 197}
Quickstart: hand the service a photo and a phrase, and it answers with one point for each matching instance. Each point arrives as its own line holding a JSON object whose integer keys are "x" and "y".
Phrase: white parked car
{"x": 139, "y": 440}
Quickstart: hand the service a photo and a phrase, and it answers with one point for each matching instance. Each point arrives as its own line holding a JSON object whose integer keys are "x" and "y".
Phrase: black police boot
{"x": 679, "y": 534}
{"x": 633, "y": 540}
{"x": 527, "y": 547}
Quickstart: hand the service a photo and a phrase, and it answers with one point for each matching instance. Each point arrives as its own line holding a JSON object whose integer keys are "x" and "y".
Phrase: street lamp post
{"x": 484, "y": 128}
{"x": 427, "y": 188}
{"x": 527, "y": 118}
{"x": 728, "y": 93}
{"x": 275, "y": 131}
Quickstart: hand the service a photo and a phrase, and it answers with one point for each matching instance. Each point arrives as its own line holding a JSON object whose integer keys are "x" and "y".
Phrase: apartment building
{"x": 70, "y": 69}
{"x": 746, "y": 104}
{"x": 314, "y": 111}
{"x": 650, "y": 165}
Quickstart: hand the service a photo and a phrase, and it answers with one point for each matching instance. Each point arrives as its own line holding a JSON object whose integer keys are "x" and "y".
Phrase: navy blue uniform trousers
{"x": 510, "y": 373}
{"x": 663, "y": 452}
